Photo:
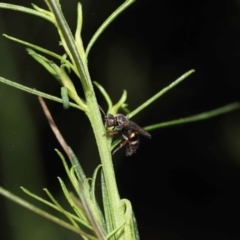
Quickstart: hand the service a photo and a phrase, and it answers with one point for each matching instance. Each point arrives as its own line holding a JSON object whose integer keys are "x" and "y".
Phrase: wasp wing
{"x": 134, "y": 126}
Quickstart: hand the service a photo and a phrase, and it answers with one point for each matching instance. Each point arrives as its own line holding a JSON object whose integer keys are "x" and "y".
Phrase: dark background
{"x": 184, "y": 183}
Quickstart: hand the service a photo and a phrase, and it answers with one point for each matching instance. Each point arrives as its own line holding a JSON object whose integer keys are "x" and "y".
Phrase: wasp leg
{"x": 121, "y": 145}
{"x": 110, "y": 133}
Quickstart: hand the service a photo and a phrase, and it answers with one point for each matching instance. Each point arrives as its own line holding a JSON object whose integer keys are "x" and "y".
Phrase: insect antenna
{"x": 104, "y": 114}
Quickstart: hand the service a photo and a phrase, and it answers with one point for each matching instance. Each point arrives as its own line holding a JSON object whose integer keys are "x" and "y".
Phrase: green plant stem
{"x": 94, "y": 116}
{"x": 106, "y": 159}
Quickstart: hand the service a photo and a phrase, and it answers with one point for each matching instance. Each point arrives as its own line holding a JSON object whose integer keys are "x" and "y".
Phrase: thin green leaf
{"x": 61, "y": 76}
{"x": 71, "y": 202}
{"x": 91, "y": 216}
{"x": 50, "y": 66}
{"x": 61, "y": 209}
{"x": 111, "y": 234}
{"x": 105, "y": 94}
{"x": 79, "y": 23}
{"x": 26, "y": 10}
{"x": 199, "y": 117}
{"x": 93, "y": 185}
{"x": 44, "y": 62}
{"x": 68, "y": 171}
{"x": 92, "y": 208}
{"x": 135, "y": 227}
{"x": 77, "y": 166}
{"x": 40, "y": 49}
{"x": 54, "y": 206}
{"x": 66, "y": 82}
{"x": 74, "y": 179}
{"x": 42, "y": 213}
{"x": 107, "y": 22}
{"x": 63, "y": 64}
{"x": 43, "y": 11}
{"x": 78, "y": 38}
{"x": 120, "y": 103}
{"x": 36, "y": 92}
{"x": 94, "y": 200}
{"x": 128, "y": 230}
{"x": 159, "y": 94}
{"x": 106, "y": 206}
{"x": 89, "y": 209}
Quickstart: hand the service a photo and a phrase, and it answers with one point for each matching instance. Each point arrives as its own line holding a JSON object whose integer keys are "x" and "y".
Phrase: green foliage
{"x": 117, "y": 220}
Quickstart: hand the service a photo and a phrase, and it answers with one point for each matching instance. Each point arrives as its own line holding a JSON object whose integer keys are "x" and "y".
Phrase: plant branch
{"x": 107, "y": 22}
{"x": 159, "y": 94}
{"x": 199, "y": 117}
{"x": 36, "y": 92}
{"x": 25, "y": 10}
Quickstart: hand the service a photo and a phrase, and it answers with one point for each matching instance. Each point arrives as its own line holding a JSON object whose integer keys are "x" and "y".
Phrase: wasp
{"x": 129, "y": 130}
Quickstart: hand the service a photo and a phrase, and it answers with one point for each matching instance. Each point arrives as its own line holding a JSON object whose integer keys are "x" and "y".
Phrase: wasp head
{"x": 110, "y": 120}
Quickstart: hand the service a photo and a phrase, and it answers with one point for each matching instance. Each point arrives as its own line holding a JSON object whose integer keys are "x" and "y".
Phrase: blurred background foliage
{"x": 185, "y": 182}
